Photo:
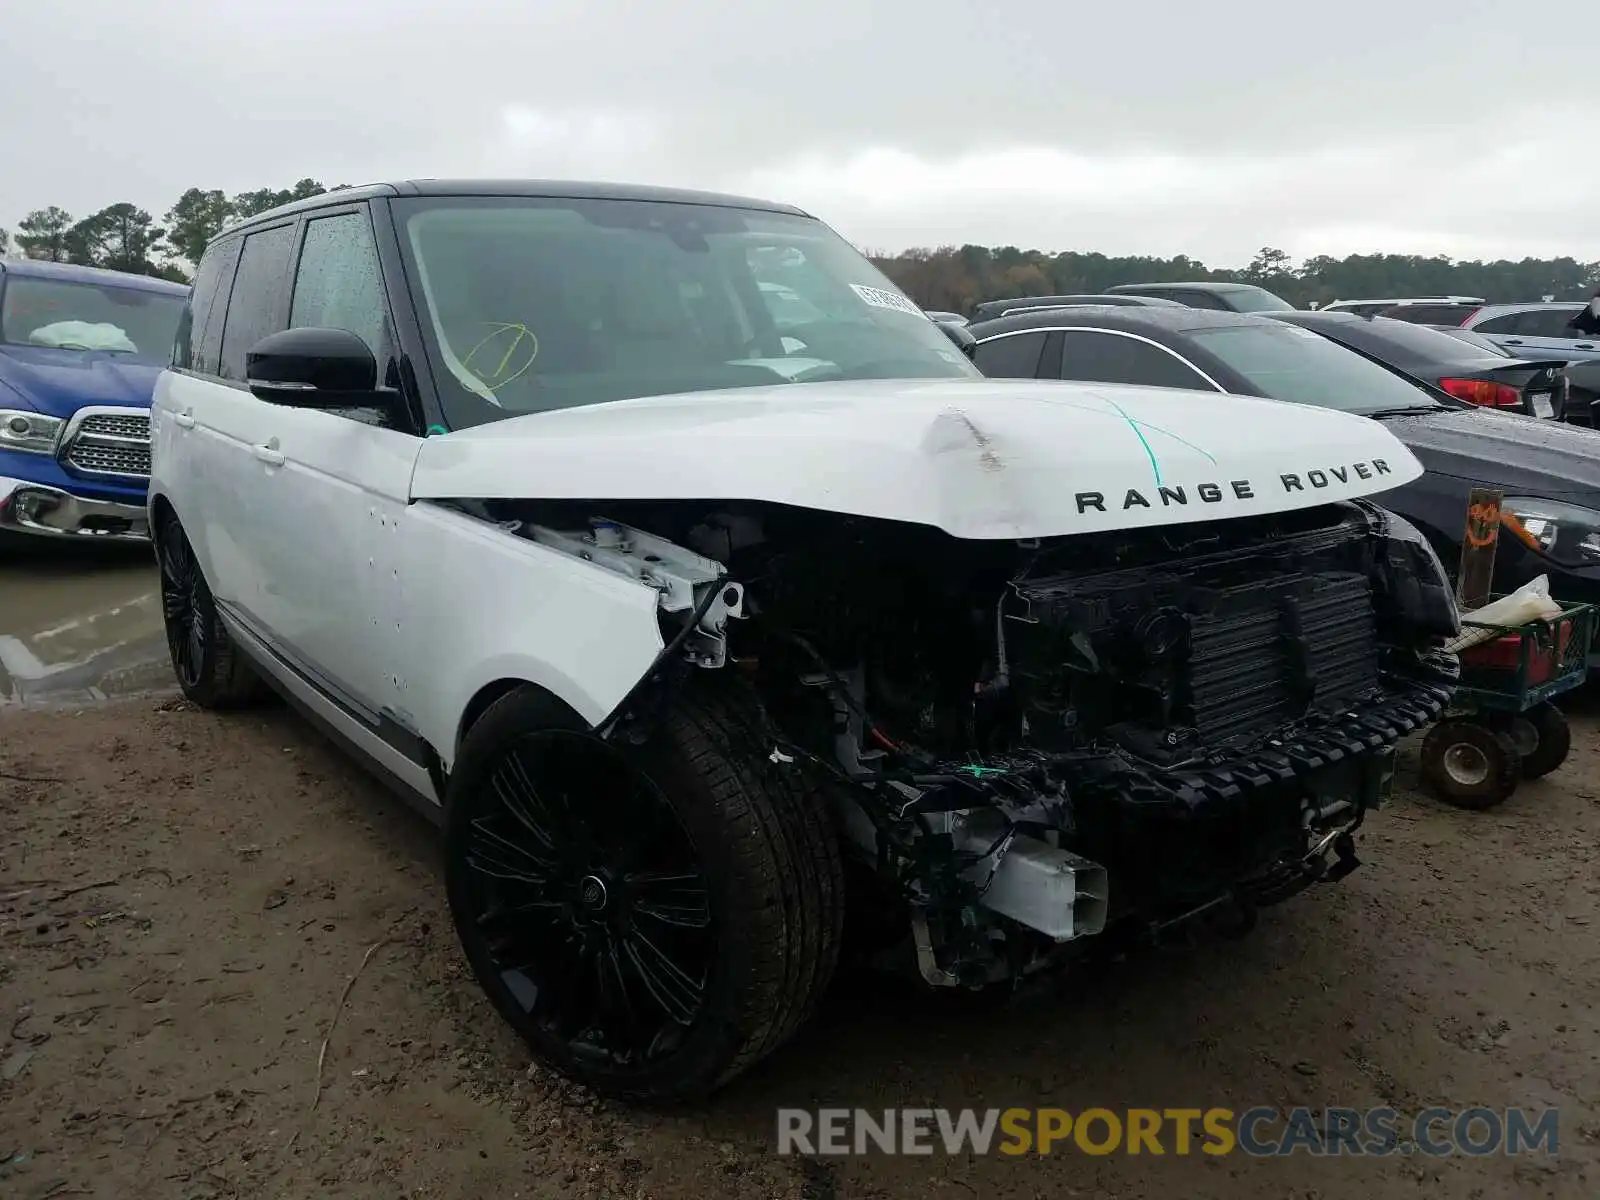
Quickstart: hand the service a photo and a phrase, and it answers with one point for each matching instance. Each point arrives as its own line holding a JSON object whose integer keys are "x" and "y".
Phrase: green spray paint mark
{"x": 1143, "y": 441}
{"x": 433, "y": 429}
{"x": 1138, "y": 427}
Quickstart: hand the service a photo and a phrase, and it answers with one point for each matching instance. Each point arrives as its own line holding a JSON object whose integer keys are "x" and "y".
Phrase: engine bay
{"x": 1026, "y": 742}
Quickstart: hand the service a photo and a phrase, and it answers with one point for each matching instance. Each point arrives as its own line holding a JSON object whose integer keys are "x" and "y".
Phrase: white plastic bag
{"x": 1530, "y": 602}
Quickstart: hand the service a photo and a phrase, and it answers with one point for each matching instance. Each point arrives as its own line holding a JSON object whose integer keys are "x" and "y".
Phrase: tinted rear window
{"x": 1402, "y": 343}
{"x": 1254, "y": 299}
{"x": 1011, "y": 356}
{"x": 1431, "y": 314}
{"x": 1286, "y": 362}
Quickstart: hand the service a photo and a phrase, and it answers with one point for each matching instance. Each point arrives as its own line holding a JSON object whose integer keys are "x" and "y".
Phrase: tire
{"x": 210, "y": 669}
{"x": 1554, "y": 740}
{"x": 559, "y": 930}
{"x": 1470, "y": 765}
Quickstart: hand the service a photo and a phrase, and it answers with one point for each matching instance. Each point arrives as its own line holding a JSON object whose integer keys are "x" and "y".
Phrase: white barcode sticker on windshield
{"x": 879, "y": 298}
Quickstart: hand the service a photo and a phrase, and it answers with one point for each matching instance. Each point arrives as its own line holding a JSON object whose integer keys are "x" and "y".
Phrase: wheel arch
{"x": 486, "y": 696}
{"x": 160, "y": 508}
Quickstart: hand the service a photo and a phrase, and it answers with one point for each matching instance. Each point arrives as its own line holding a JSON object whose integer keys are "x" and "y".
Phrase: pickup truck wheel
{"x": 210, "y": 670}
{"x": 652, "y": 920}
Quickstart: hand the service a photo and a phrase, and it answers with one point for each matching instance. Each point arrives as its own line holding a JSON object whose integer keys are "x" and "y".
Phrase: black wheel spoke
{"x": 615, "y": 1003}
{"x": 524, "y": 802}
{"x": 673, "y": 988}
{"x": 499, "y": 856}
{"x": 679, "y": 900}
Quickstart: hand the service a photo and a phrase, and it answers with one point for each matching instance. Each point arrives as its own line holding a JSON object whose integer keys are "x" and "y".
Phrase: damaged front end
{"x": 1028, "y": 744}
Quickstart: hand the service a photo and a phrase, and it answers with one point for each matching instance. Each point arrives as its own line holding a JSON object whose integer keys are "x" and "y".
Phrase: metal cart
{"x": 1501, "y": 727}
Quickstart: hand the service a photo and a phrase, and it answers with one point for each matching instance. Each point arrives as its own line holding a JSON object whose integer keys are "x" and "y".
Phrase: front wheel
{"x": 1469, "y": 764}
{"x": 653, "y": 920}
{"x": 210, "y": 669}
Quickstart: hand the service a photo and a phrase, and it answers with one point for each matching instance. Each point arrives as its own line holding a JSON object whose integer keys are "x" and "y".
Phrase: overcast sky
{"x": 1150, "y": 126}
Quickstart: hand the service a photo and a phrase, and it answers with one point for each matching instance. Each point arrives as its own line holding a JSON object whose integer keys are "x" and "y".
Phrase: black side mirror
{"x": 959, "y": 334}
{"x": 315, "y": 368}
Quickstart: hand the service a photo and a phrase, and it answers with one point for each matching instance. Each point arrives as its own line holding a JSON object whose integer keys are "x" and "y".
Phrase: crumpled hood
{"x": 979, "y": 458}
{"x": 59, "y": 382}
{"x": 1523, "y": 455}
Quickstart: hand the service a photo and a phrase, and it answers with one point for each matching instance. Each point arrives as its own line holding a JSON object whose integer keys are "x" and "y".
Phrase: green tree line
{"x": 954, "y": 278}
{"x": 125, "y": 237}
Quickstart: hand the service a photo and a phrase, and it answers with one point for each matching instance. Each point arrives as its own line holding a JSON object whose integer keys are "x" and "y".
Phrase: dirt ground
{"x": 190, "y": 905}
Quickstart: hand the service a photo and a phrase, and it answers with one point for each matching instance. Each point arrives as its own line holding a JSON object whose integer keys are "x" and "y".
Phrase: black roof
{"x": 1312, "y": 319}
{"x": 540, "y": 188}
{"x": 1134, "y": 319}
{"x": 37, "y": 268}
{"x": 1193, "y": 285}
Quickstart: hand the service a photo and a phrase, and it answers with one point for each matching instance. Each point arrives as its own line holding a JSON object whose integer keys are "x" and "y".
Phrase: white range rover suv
{"x": 676, "y": 611}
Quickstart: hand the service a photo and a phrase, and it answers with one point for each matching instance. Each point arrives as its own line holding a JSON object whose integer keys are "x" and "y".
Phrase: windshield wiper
{"x": 1410, "y": 411}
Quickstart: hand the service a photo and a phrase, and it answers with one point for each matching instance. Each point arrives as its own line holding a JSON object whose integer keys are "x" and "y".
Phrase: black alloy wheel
{"x": 210, "y": 670}
{"x": 654, "y": 919}
{"x": 182, "y": 602}
{"x": 591, "y": 898}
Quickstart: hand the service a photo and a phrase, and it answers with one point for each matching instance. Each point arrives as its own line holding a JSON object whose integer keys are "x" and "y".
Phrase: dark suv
{"x": 1229, "y": 297}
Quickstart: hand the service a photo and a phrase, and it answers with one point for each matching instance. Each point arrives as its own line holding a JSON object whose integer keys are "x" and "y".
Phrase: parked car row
{"x": 1470, "y": 416}
{"x": 1542, "y": 330}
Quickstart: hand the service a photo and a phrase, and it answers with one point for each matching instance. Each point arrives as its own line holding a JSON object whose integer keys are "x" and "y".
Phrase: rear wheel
{"x": 210, "y": 669}
{"x": 1470, "y": 765}
{"x": 651, "y": 920}
{"x": 1552, "y": 740}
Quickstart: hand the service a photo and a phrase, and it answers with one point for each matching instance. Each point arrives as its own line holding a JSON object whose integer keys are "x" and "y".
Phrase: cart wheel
{"x": 1470, "y": 765}
{"x": 1553, "y": 740}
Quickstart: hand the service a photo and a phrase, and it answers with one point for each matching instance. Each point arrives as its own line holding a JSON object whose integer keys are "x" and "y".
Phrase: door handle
{"x": 1584, "y": 346}
{"x": 1512, "y": 341}
{"x": 269, "y": 453}
{"x": 183, "y": 420}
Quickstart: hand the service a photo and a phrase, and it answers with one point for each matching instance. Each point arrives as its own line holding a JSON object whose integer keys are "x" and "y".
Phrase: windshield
{"x": 1254, "y": 299}
{"x": 539, "y": 304}
{"x": 1476, "y": 339}
{"x": 1286, "y": 362}
{"x": 89, "y": 316}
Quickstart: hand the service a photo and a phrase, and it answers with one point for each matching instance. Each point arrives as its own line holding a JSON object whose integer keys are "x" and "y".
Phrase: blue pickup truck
{"x": 80, "y": 349}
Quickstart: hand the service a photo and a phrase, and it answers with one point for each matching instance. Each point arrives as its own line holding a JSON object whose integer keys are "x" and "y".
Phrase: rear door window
{"x": 256, "y": 307}
{"x": 199, "y": 341}
{"x": 1430, "y": 314}
{"x": 1011, "y": 356}
{"x": 1546, "y": 322}
{"x": 1103, "y": 357}
{"x": 1504, "y": 323}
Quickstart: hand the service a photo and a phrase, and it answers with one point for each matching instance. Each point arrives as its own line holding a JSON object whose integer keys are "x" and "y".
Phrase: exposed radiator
{"x": 1270, "y": 652}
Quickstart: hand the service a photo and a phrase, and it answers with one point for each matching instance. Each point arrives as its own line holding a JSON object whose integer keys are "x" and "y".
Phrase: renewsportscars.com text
{"x": 1259, "y": 1132}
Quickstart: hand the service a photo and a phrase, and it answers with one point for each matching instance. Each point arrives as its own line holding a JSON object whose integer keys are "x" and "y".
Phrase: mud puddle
{"x": 79, "y": 623}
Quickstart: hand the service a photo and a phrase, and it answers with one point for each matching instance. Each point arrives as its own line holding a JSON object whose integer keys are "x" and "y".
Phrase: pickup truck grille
{"x": 1270, "y": 652}
{"x": 110, "y": 443}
